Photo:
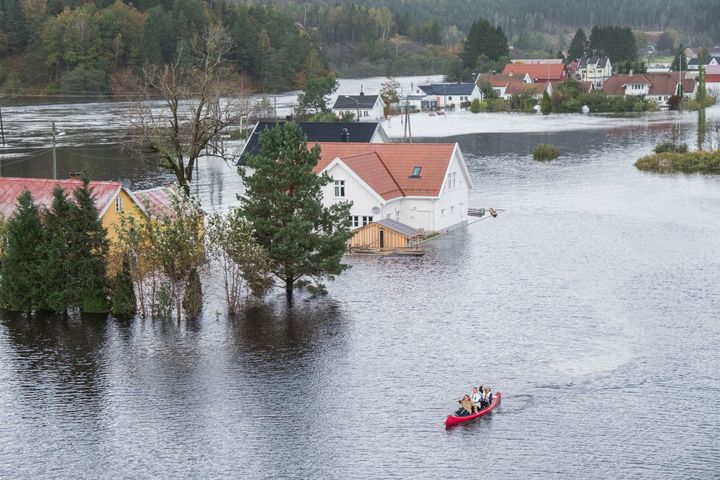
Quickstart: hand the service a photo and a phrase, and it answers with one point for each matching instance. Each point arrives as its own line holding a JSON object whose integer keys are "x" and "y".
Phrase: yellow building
{"x": 111, "y": 199}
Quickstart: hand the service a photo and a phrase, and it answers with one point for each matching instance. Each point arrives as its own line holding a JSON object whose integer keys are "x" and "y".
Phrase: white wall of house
{"x": 355, "y": 190}
{"x": 637, "y": 89}
{"x": 373, "y": 114}
{"x": 452, "y": 206}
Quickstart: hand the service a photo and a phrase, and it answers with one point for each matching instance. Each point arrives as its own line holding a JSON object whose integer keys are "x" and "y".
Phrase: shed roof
{"x": 158, "y": 201}
{"x": 42, "y": 191}
{"x": 401, "y": 228}
{"x": 399, "y": 160}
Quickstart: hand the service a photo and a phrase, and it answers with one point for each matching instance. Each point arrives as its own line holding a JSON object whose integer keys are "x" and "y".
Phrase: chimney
{"x": 631, "y": 72}
{"x": 344, "y": 135}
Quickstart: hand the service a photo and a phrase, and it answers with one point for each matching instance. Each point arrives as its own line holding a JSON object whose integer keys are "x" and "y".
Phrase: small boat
{"x": 454, "y": 419}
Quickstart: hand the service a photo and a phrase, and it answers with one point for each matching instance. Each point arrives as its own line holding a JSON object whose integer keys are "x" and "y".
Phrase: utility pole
{"x": 54, "y": 154}
{"x": 2, "y": 128}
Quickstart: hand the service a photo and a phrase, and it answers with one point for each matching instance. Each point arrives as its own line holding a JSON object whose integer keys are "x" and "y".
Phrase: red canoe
{"x": 454, "y": 419}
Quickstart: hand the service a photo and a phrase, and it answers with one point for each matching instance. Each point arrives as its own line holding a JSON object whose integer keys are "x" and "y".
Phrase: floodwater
{"x": 591, "y": 302}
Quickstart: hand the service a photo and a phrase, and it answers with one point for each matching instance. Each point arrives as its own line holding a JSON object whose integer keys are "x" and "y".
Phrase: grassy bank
{"x": 688, "y": 162}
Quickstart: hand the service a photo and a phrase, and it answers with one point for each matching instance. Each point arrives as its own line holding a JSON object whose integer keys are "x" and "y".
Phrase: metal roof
{"x": 42, "y": 191}
{"x": 448, "y": 89}
{"x": 315, "y": 132}
{"x": 398, "y": 227}
{"x": 353, "y": 102}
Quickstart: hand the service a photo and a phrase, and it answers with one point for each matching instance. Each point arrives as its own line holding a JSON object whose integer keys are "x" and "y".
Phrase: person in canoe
{"x": 467, "y": 407}
{"x": 476, "y": 396}
{"x": 486, "y": 395}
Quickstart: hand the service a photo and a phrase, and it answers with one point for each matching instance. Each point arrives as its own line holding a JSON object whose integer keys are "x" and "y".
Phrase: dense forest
{"x": 80, "y": 46}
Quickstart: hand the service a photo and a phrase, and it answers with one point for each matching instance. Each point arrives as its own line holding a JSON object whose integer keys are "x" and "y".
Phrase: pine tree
{"x": 283, "y": 200}
{"x": 90, "y": 268}
{"x": 21, "y": 277}
{"x": 546, "y": 104}
{"x": 680, "y": 60}
{"x": 578, "y": 45}
{"x": 123, "y": 301}
{"x": 59, "y": 253}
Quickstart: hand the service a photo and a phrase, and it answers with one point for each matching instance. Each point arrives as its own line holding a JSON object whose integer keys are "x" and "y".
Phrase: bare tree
{"x": 198, "y": 104}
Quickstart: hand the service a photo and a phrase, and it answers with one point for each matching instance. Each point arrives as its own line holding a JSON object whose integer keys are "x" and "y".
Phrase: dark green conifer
{"x": 21, "y": 277}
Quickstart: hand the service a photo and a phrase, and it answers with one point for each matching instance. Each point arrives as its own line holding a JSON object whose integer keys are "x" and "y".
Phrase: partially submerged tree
{"x": 198, "y": 106}
{"x": 283, "y": 200}
{"x": 244, "y": 264}
{"x": 20, "y": 277}
{"x": 315, "y": 97}
{"x": 389, "y": 92}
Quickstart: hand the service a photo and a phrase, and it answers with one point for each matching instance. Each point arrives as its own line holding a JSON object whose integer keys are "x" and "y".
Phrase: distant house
{"x": 362, "y": 132}
{"x": 539, "y": 73}
{"x": 424, "y": 186}
{"x": 411, "y": 102}
{"x": 658, "y": 87}
{"x": 364, "y": 107}
{"x": 712, "y": 82}
{"x": 538, "y": 61}
{"x": 594, "y": 69}
{"x": 499, "y": 82}
{"x": 449, "y": 95}
{"x": 711, "y": 60}
{"x": 112, "y": 200}
{"x": 535, "y": 90}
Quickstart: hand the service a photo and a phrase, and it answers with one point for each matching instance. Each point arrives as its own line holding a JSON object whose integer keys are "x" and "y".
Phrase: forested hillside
{"x": 81, "y": 46}
{"x": 84, "y": 47}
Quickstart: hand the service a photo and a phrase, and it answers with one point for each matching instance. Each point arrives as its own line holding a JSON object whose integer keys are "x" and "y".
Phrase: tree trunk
{"x": 289, "y": 284}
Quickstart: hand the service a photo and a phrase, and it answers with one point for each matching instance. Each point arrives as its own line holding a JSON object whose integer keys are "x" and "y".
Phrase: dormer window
{"x": 416, "y": 172}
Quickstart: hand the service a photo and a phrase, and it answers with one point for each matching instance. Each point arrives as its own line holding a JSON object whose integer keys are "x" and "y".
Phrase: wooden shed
{"x": 385, "y": 234}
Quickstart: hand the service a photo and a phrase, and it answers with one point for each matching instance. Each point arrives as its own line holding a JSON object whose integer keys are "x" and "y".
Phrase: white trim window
{"x": 118, "y": 204}
{"x": 340, "y": 188}
{"x": 354, "y": 221}
{"x": 367, "y": 220}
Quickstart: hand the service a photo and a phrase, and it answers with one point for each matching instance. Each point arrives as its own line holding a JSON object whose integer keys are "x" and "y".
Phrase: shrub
{"x": 475, "y": 106}
{"x": 546, "y": 106}
{"x": 671, "y": 147}
{"x": 688, "y": 162}
{"x": 545, "y": 152}
{"x": 84, "y": 80}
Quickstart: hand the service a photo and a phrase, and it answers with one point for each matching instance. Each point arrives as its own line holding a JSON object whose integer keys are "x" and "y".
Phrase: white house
{"x": 710, "y": 60}
{"x": 366, "y": 108}
{"x": 424, "y": 186}
{"x": 594, "y": 69}
{"x": 658, "y": 87}
{"x": 449, "y": 95}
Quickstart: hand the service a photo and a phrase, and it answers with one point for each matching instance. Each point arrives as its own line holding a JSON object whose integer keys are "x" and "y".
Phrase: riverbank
{"x": 682, "y": 162}
{"x": 425, "y": 125}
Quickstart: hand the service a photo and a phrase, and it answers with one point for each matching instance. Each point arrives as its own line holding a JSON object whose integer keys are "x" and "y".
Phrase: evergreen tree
{"x": 546, "y": 104}
{"x": 90, "y": 268}
{"x": 665, "y": 42}
{"x": 21, "y": 277}
{"x": 680, "y": 60}
{"x": 484, "y": 39}
{"x": 58, "y": 255}
{"x": 283, "y": 200}
{"x": 123, "y": 301}
{"x": 578, "y": 45}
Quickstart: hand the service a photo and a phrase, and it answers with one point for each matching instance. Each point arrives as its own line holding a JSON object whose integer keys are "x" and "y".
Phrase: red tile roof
{"x": 387, "y": 167}
{"x": 537, "y": 72}
{"x": 41, "y": 190}
{"x": 662, "y": 83}
{"x": 157, "y": 201}
{"x": 516, "y": 87}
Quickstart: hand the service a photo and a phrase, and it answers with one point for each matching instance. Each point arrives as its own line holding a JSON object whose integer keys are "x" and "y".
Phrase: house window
{"x": 449, "y": 98}
{"x": 442, "y": 212}
{"x": 367, "y": 220}
{"x": 354, "y": 221}
{"x": 118, "y": 204}
{"x": 450, "y": 183}
{"x": 452, "y": 209}
{"x": 416, "y": 172}
{"x": 339, "y": 188}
